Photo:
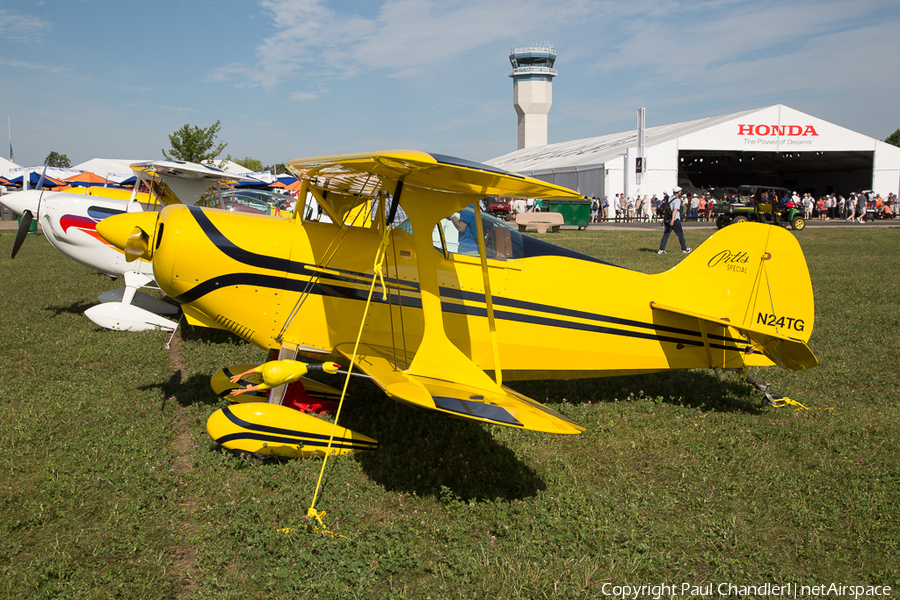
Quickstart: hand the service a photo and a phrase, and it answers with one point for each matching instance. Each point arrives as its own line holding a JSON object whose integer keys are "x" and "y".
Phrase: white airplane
{"x": 69, "y": 220}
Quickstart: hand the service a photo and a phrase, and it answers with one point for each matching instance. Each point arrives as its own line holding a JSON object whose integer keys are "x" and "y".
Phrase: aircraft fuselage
{"x": 275, "y": 281}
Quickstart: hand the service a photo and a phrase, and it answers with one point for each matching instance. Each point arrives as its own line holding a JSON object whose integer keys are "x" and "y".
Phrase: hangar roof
{"x": 600, "y": 149}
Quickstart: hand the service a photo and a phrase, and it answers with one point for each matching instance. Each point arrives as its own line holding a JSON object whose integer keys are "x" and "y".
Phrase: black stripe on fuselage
{"x": 271, "y": 263}
{"x": 677, "y": 335}
{"x": 283, "y": 284}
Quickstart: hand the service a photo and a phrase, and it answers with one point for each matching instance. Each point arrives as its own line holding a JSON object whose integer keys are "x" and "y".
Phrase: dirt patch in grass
{"x": 185, "y": 553}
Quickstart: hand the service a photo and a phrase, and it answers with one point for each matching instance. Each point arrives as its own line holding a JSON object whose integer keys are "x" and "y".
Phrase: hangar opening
{"x": 818, "y": 173}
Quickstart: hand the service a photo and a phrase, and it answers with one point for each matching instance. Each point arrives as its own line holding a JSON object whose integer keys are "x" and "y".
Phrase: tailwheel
{"x": 773, "y": 400}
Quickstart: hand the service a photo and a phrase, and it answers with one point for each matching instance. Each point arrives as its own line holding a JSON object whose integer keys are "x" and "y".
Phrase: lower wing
{"x": 457, "y": 399}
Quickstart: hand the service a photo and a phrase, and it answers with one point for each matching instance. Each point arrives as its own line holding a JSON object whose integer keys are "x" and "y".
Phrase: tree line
{"x": 190, "y": 144}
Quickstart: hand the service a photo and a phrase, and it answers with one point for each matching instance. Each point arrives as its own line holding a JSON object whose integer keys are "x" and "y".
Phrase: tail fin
{"x": 751, "y": 277}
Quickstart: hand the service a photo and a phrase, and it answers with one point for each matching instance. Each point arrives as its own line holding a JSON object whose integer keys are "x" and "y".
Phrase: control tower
{"x": 532, "y": 76}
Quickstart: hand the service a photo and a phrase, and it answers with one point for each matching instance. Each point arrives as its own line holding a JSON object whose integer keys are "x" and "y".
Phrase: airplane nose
{"x": 130, "y": 232}
{"x": 19, "y": 202}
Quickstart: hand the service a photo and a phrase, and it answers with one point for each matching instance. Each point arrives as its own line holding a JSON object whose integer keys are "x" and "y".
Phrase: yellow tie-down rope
{"x": 777, "y": 400}
{"x": 378, "y": 267}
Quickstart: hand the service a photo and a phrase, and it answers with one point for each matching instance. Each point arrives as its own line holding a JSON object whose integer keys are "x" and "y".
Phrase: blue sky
{"x": 299, "y": 78}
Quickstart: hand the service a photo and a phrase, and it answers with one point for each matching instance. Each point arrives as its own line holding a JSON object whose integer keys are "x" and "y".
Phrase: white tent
{"x": 116, "y": 170}
{"x": 6, "y": 166}
{"x": 775, "y": 145}
{"x": 54, "y": 172}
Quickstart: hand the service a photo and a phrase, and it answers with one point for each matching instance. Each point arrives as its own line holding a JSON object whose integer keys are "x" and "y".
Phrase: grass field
{"x": 111, "y": 487}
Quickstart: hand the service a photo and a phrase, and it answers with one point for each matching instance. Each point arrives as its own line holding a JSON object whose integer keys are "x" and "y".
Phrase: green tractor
{"x": 761, "y": 204}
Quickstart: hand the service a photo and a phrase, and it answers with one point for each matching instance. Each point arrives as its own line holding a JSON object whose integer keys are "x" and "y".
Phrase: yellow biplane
{"x": 462, "y": 303}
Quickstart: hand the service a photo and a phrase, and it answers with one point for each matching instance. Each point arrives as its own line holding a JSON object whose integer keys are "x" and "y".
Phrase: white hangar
{"x": 776, "y": 146}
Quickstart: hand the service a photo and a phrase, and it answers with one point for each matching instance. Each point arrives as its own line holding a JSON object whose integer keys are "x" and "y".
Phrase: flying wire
{"x": 330, "y": 251}
{"x": 312, "y": 513}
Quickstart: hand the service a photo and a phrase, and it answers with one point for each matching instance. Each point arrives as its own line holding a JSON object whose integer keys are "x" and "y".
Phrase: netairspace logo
{"x": 766, "y": 590}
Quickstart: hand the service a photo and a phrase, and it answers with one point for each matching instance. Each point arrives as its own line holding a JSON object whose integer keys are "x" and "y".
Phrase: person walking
{"x": 672, "y": 223}
{"x": 861, "y": 208}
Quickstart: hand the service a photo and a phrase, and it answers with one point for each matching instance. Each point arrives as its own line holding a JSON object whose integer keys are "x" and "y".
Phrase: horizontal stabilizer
{"x": 788, "y": 353}
{"x": 457, "y": 399}
{"x": 785, "y": 352}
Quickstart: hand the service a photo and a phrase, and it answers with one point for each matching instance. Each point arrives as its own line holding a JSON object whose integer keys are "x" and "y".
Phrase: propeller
{"x": 24, "y": 224}
{"x": 28, "y": 218}
{"x": 137, "y": 245}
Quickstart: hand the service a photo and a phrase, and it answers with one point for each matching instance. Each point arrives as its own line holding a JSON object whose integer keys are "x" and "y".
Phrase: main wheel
{"x": 797, "y": 223}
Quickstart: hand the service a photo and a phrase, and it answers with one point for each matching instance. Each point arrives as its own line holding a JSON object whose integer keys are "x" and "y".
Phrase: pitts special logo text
{"x": 778, "y": 130}
{"x": 733, "y": 261}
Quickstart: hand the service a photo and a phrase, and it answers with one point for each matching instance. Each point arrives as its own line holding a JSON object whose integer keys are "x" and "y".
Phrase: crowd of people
{"x": 853, "y": 208}
{"x": 856, "y": 207}
{"x": 624, "y": 209}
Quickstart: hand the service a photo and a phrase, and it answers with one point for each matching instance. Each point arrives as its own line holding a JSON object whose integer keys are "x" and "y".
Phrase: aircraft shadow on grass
{"x": 186, "y": 392}
{"x": 431, "y": 454}
{"x": 419, "y": 451}
{"x": 75, "y": 308}
{"x": 692, "y": 389}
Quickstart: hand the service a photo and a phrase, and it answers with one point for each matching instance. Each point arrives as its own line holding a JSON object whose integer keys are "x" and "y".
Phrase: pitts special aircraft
{"x": 461, "y": 301}
{"x": 69, "y": 218}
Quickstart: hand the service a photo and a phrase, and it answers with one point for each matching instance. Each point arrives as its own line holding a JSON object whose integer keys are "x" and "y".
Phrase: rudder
{"x": 751, "y": 274}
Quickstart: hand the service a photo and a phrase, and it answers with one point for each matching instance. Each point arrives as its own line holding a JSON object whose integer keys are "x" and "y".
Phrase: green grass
{"x": 109, "y": 485}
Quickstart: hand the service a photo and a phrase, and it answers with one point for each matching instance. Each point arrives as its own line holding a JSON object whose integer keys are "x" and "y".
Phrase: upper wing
{"x": 505, "y": 408}
{"x": 339, "y": 181}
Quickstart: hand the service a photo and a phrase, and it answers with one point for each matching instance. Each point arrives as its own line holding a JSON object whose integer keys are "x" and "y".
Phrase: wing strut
{"x": 492, "y": 324}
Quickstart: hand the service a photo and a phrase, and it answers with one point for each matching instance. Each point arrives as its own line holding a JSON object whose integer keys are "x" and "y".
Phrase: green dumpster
{"x": 32, "y": 227}
{"x": 575, "y": 212}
